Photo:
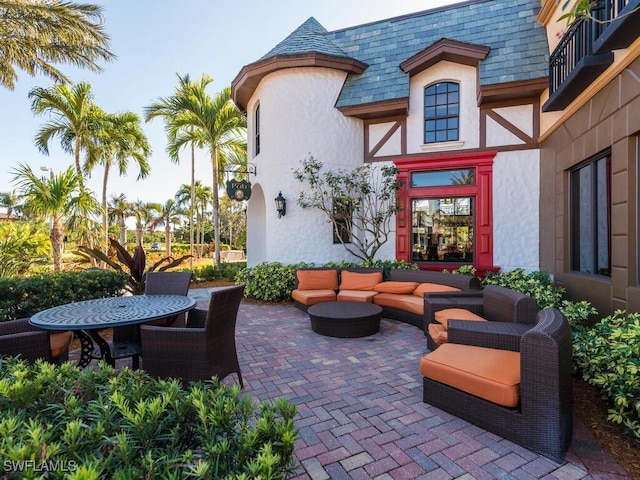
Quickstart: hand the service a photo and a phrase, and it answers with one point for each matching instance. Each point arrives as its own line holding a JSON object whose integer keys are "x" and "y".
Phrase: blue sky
{"x": 156, "y": 39}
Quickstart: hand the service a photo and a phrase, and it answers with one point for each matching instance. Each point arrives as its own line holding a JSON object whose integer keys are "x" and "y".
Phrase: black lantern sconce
{"x": 281, "y": 205}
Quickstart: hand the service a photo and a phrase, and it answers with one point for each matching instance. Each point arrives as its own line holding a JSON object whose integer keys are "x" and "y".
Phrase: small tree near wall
{"x": 360, "y": 203}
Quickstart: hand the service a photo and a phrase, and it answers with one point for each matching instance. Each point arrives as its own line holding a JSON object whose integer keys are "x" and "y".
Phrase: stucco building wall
{"x": 297, "y": 120}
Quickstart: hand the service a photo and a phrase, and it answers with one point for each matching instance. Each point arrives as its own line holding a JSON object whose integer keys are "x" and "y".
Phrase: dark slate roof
{"x": 518, "y": 45}
{"x": 308, "y": 37}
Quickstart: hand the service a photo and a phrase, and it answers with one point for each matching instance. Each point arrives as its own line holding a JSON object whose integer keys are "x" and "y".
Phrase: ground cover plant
{"x": 63, "y": 422}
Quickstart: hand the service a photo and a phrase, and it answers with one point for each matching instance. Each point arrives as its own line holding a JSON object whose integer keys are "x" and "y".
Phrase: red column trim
{"x": 482, "y": 191}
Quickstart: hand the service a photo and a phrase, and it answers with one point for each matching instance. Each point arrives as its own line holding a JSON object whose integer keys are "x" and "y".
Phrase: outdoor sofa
{"x": 402, "y": 296}
{"x": 502, "y": 314}
{"x": 524, "y": 395}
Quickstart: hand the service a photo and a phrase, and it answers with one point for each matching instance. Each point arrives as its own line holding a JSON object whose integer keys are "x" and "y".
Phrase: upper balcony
{"x": 585, "y": 50}
{"x": 618, "y": 22}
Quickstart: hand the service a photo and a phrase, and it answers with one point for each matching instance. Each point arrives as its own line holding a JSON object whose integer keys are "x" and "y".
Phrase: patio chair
{"x": 524, "y": 396}
{"x": 156, "y": 283}
{"x": 18, "y": 337}
{"x": 206, "y": 347}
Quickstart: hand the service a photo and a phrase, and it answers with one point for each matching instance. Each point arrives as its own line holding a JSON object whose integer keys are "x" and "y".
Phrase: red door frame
{"x": 482, "y": 162}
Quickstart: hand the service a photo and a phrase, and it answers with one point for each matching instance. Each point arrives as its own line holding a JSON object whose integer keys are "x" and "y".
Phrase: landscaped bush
{"x": 224, "y": 270}
{"x": 538, "y": 285}
{"x": 607, "y": 355}
{"x": 269, "y": 281}
{"x": 21, "y": 297}
{"x": 62, "y": 422}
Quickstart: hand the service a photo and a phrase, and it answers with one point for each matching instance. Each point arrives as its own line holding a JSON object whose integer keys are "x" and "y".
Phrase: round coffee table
{"x": 345, "y": 319}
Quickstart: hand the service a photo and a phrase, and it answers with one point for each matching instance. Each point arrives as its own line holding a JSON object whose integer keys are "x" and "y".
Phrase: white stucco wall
{"x": 298, "y": 119}
{"x": 444, "y": 71}
{"x": 516, "y": 194}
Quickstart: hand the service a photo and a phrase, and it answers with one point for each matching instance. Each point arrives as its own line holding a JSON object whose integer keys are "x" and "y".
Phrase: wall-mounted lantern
{"x": 281, "y": 205}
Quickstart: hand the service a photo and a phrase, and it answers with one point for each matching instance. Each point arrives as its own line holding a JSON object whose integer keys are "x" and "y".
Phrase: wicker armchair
{"x": 156, "y": 283}
{"x": 18, "y": 337}
{"x": 542, "y": 421}
{"x": 206, "y": 347}
{"x": 509, "y": 315}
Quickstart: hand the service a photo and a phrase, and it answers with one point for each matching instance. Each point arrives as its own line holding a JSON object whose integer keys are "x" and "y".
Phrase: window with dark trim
{"x": 441, "y": 112}
{"x": 342, "y": 212}
{"x": 590, "y": 216}
{"x": 257, "y": 130}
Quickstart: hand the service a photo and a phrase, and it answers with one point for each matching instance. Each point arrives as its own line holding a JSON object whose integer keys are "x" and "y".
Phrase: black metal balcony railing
{"x": 617, "y": 24}
{"x": 585, "y": 50}
{"x": 575, "y": 45}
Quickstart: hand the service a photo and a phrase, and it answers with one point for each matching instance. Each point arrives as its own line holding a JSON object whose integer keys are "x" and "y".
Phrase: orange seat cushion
{"x": 356, "y": 296}
{"x": 409, "y": 303}
{"x": 423, "y": 288}
{"x": 488, "y": 373}
{"x": 317, "y": 279}
{"x": 438, "y": 333}
{"x": 396, "y": 287}
{"x": 359, "y": 281}
{"x": 443, "y": 316}
{"x": 311, "y": 297}
{"x": 59, "y": 343}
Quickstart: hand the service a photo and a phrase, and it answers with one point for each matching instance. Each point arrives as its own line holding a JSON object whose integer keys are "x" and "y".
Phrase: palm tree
{"x": 203, "y": 196}
{"x": 10, "y": 201}
{"x": 213, "y": 123}
{"x": 144, "y": 213}
{"x": 119, "y": 209}
{"x": 169, "y": 214}
{"x": 35, "y": 35}
{"x": 75, "y": 119}
{"x": 171, "y": 110}
{"x": 58, "y": 198}
{"x": 120, "y": 139}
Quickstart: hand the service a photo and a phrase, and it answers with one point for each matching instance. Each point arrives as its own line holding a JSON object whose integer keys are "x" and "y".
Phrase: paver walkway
{"x": 360, "y": 409}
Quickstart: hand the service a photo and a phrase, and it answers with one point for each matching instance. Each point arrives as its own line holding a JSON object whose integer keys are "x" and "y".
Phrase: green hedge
{"x": 607, "y": 355}
{"x": 274, "y": 281}
{"x": 99, "y": 423}
{"x": 21, "y": 297}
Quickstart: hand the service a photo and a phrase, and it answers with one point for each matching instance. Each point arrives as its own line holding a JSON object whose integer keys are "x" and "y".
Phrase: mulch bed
{"x": 592, "y": 410}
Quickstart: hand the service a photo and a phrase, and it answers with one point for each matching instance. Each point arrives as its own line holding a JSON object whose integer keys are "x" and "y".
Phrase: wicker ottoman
{"x": 345, "y": 319}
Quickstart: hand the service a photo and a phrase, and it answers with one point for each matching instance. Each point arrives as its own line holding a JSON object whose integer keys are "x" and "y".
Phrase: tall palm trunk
{"x": 193, "y": 199}
{"x": 167, "y": 238}
{"x": 56, "y": 235}
{"x": 105, "y": 217}
{"x": 123, "y": 231}
{"x": 216, "y": 208}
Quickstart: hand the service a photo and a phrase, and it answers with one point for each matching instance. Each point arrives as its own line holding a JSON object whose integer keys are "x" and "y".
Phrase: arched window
{"x": 441, "y": 112}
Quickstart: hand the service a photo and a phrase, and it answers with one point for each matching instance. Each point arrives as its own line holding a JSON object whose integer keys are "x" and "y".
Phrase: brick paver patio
{"x": 360, "y": 409}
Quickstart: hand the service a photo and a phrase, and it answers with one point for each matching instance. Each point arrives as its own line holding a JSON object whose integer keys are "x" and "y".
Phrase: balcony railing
{"x": 617, "y": 24}
{"x": 573, "y": 65}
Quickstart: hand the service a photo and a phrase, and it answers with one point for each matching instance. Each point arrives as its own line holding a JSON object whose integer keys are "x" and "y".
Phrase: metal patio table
{"x": 88, "y": 317}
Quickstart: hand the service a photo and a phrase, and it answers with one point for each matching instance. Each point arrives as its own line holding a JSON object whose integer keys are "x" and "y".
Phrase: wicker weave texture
{"x": 543, "y": 423}
{"x": 196, "y": 353}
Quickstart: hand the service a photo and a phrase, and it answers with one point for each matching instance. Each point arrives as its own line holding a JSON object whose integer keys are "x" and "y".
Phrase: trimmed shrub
{"x": 269, "y": 281}
{"x": 21, "y": 297}
{"x": 607, "y": 355}
{"x": 99, "y": 423}
{"x": 538, "y": 285}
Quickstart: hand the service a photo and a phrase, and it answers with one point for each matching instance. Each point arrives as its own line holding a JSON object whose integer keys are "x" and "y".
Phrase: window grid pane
{"x": 441, "y": 112}
{"x": 591, "y": 217}
{"x": 442, "y": 229}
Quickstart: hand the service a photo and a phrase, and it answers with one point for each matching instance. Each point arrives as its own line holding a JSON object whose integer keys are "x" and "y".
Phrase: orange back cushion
{"x": 433, "y": 287}
{"x": 359, "y": 281}
{"x": 404, "y": 288}
{"x": 317, "y": 279}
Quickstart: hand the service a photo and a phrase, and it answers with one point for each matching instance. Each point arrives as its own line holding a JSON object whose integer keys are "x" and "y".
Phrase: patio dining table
{"x": 88, "y": 317}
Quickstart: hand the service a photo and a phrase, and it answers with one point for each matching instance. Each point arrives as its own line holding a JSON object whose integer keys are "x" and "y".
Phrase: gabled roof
{"x": 372, "y": 54}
